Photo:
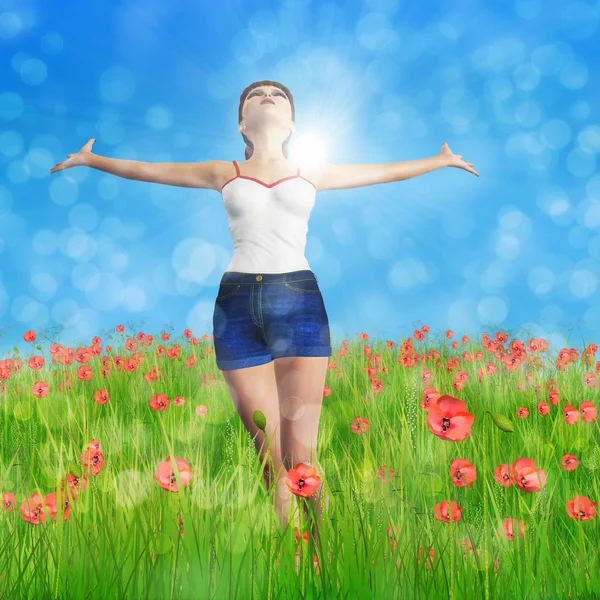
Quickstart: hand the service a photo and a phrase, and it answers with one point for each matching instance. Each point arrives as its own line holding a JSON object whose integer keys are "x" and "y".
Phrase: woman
{"x": 271, "y": 331}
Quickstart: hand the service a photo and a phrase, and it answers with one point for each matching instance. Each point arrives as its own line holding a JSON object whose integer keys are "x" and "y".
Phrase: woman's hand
{"x": 75, "y": 160}
{"x": 455, "y": 160}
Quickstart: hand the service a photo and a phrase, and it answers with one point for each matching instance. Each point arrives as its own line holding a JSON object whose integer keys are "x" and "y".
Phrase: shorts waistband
{"x": 241, "y": 278}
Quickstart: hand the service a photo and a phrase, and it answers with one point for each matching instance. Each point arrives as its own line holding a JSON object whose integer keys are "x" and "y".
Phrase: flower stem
{"x": 485, "y": 554}
{"x": 452, "y": 560}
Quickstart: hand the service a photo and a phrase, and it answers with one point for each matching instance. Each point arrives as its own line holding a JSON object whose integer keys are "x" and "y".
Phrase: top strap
{"x": 298, "y": 174}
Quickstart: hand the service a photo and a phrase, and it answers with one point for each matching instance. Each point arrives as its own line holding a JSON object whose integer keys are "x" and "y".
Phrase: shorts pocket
{"x": 303, "y": 285}
{"x": 227, "y": 290}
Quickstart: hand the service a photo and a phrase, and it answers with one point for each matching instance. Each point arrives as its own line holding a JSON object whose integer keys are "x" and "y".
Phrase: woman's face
{"x": 254, "y": 110}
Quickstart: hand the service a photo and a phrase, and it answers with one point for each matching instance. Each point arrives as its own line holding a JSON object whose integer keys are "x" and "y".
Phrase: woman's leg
{"x": 300, "y": 384}
{"x": 254, "y": 388}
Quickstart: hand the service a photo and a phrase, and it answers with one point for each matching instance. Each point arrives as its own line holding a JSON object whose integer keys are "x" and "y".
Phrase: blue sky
{"x": 507, "y": 85}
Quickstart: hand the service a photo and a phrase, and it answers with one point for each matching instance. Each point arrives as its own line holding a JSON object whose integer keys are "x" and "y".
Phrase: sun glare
{"x": 307, "y": 150}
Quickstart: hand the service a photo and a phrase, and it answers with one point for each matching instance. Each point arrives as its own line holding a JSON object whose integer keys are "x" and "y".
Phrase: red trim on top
{"x": 267, "y": 185}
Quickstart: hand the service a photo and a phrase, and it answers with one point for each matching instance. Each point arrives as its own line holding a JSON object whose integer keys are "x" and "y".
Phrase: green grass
{"x": 122, "y": 538}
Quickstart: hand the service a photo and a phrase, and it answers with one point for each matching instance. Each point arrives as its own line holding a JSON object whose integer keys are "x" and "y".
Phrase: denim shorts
{"x": 262, "y": 316}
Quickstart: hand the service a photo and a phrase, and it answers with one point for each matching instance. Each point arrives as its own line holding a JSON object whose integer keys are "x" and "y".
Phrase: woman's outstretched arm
{"x": 196, "y": 174}
{"x": 181, "y": 174}
{"x": 337, "y": 177}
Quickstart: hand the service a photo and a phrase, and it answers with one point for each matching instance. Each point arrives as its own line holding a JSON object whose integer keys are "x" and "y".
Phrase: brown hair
{"x": 249, "y": 145}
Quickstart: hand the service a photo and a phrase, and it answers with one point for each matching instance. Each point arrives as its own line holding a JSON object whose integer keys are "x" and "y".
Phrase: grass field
{"x": 455, "y": 469}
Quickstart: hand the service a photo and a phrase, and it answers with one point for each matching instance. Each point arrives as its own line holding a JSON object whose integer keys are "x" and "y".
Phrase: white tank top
{"x": 268, "y": 222}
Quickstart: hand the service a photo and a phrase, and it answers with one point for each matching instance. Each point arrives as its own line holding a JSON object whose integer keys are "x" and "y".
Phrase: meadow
{"x": 455, "y": 469}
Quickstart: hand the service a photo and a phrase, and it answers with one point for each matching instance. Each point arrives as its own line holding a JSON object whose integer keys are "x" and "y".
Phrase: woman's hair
{"x": 249, "y": 145}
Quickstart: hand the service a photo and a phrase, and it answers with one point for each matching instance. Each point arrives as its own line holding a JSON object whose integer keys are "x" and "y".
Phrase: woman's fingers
{"x": 72, "y": 159}
{"x": 467, "y": 168}
{"x": 64, "y": 164}
{"x": 456, "y": 160}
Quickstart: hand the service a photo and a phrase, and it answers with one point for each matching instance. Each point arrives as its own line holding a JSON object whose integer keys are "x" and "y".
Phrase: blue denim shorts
{"x": 262, "y": 316}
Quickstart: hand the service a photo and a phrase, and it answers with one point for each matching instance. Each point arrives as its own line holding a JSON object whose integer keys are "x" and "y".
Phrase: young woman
{"x": 271, "y": 331}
